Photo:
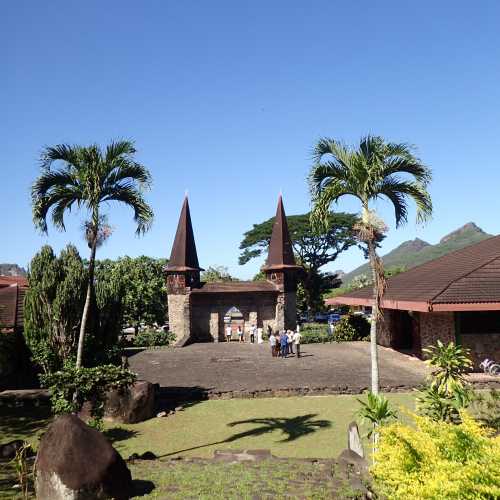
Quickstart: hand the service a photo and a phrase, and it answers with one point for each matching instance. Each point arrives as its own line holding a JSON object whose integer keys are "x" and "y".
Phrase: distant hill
{"x": 415, "y": 252}
{"x": 11, "y": 270}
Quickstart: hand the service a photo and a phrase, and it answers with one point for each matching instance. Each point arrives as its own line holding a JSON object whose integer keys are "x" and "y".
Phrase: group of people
{"x": 255, "y": 334}
{"x": 282, "y": 343}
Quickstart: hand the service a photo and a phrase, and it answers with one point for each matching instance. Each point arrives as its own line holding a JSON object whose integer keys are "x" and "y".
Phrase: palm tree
{"x": 88, "y": 178}
{"x": 376, "y": 169}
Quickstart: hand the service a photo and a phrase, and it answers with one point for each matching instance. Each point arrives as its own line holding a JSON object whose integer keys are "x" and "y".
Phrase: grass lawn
{"x": 298, "y": 427}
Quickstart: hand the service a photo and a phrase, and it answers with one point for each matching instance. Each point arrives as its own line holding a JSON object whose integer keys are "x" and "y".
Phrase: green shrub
{"x": 152, "y": 338}
{"x": 351, "y": 327}
{"x": 446, "y": 391}
{"x": 315, "y": 333}
{"x": 70, "y": 387}
{"x": 437, "y": 461}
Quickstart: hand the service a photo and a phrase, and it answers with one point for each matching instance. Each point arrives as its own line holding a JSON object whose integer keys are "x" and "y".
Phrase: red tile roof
{"x": 236, "y": 287}
{"x": 466, "y": 279}
{"x": 10, "y": 280}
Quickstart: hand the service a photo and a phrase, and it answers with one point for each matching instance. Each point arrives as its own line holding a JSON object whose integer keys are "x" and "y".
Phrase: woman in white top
{"x": 228, "y": 333}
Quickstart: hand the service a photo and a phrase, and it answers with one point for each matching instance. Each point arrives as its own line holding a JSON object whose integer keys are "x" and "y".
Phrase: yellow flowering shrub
{"x": 437, "y": 460}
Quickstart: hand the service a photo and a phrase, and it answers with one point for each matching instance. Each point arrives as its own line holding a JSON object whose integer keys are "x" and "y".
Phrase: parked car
{"x": 321, "y": 317}
{"x": 333, "y": 318}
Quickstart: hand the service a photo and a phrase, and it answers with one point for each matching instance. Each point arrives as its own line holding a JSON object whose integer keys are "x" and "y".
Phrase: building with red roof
{"x": 453, "y": 298}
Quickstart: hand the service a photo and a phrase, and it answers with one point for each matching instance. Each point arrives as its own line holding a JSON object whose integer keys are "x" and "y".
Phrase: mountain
{"x": 11, "y": 270}
{"x": 415, "y": 252}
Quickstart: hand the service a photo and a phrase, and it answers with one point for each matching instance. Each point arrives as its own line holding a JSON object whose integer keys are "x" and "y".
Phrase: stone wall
{"x": 386, "y": 331}
{"x": 436, "y": 326}
{"x": 179, "y": 315}
{"x": 482, "y": 346}
{"x": 208, "y": 311}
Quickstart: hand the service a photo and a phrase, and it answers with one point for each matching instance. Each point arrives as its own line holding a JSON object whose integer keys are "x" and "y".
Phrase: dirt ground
{"x": 248, "y": 370}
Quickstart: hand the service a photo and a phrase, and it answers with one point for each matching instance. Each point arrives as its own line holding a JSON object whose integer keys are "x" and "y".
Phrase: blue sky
{"x": 226, "y": 99}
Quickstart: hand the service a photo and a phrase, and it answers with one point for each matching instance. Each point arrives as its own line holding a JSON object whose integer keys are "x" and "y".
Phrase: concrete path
{"x": 248, "y": 370}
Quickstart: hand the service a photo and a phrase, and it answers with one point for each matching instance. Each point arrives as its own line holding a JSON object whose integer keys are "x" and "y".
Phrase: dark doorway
{"x": 403, "y": 331}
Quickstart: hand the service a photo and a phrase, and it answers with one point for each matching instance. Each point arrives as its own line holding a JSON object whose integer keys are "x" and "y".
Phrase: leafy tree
{"x": 375, "y": 169}
{"x": 145, "y": 293}
{"x": 53, "y": 305}
{"x": 217, "y": 273}
{"x": 313, "y": 250}
{"x": 88, "y": 178}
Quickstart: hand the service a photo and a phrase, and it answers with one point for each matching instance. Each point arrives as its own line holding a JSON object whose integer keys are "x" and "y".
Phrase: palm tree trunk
{"x": 376, "y": 315}
{"x": 88, "y": 298}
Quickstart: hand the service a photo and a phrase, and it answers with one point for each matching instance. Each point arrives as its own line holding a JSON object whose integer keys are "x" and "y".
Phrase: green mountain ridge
{"x": 415, "y": 252}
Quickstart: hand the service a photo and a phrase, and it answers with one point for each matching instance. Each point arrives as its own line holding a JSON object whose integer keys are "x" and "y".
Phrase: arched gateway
{"x": 196, "y": 310}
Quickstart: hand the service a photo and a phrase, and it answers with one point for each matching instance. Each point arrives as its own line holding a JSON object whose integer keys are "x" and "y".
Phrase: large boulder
{"x": 131, "y": 405}
{"x": 76, "y": 462}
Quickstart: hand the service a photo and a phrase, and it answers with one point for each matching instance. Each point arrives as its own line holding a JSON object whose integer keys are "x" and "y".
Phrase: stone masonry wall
{"x": 436, "y": 326}
{"x": 482, "y": 346}
{"x": 385, "y": 331}
{"x": 208, "y": 311}
{"x": 178, "y": 315}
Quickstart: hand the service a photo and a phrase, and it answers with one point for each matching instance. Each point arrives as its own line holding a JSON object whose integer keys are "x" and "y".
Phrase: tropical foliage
{"x": 217, "y": 273}
{"x": 375, "y": 169}
{"x": 153, "y": 338}
{"x": 71, "y": 387}
{"x": 145, "y": 293}
{"x": 446, "y": 391}
{"x": 375, "y": 412}
{"x": 53, "y": 304}
{"x": 437, "y": 461}
{"x": 88, "y": 177}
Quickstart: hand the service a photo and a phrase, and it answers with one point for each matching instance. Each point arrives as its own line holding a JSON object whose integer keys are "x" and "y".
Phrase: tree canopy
{"x": 312, "y": 248}
{"x": 217, "y": 273}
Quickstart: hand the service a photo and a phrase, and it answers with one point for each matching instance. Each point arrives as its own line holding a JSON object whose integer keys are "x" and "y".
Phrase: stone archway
{"x": 234, "y": 318}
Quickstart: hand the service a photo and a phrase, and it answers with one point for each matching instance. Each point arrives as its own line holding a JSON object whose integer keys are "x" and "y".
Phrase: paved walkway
{"x": 248, "y": 370}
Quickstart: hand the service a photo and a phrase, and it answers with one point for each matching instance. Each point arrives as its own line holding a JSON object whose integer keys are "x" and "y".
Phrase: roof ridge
{"x": 463, "y": 276}
{"x": 440, "y": 257}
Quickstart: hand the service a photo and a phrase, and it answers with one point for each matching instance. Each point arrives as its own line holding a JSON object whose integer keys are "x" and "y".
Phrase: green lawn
{"x": 302, "y": 427}
{"x": 298, "y": 427}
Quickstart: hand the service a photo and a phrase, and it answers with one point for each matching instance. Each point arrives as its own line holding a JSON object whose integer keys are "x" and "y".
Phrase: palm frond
{"x": 143, "y": 214}
{"x": 397, "y": 190}
{"x": 118, "y": 149}
{"x": 411, "y": 166}
{"x": 126, "y": 169}
{"x": 61, "y": 152}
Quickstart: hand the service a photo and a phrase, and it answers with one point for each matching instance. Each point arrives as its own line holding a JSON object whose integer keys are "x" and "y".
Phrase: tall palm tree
{"x": 88, "y": 177}
{"x": 376, "y": 169}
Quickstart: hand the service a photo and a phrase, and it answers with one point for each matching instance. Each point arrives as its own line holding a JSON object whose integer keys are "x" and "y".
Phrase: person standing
{"x": 283, "y": 343}
{"x": 228, "y": 333}
{"x": 240, "y": 334}
{"x": 272, "y": 343}
{"x": 296, "y": 340}
{"x": 253, "y": 332}
{"x": 290, "y": 342}
{"x": 259, "y": 335}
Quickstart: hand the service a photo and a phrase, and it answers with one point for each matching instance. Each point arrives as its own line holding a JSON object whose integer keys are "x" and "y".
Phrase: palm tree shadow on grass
{"x": 292, "y": 427}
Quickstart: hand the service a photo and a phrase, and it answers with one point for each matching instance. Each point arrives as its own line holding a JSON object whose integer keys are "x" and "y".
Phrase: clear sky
{"x": 226, "y": 99}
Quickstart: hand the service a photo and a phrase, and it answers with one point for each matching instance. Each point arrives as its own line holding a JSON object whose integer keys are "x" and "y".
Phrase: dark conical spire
{"x": 184, "y": 256}
{"x": 280, "y": 248}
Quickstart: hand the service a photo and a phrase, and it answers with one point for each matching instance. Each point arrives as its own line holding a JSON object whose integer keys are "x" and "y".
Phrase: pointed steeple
{"x": 184, "y": 256}
{"x": 280, "y": 254}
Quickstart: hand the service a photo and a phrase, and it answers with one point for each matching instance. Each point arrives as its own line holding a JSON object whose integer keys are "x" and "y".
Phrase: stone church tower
{"x": 282, "y": 270}
{"x": 183, "y": 274}
{"x": 198, "y": 311}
